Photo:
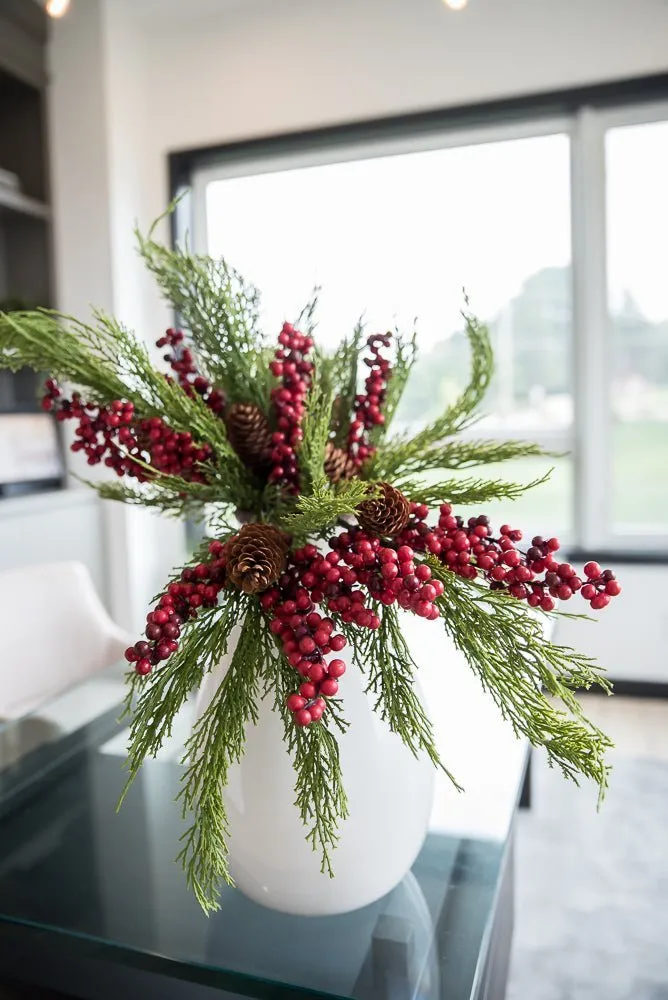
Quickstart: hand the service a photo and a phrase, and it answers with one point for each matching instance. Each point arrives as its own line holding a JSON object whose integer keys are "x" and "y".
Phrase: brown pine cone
{"x": 385, "y": 515}
{"x": 249, "y": 434}
{"x": 338, "y": 464}
{"x": 256, "y": 557}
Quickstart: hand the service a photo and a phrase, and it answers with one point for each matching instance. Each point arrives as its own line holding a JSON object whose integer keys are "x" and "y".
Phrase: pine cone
{"x": 256, "y": 557}
{"x": 249, "y": 434}
{"x": 385, "y": 515}
{"x": 338, "y": 464}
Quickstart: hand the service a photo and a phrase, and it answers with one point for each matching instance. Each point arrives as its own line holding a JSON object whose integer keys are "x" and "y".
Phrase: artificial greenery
{"x": 488, "y": 620}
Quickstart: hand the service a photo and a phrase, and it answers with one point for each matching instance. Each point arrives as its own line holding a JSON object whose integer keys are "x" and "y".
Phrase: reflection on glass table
{"x": 91, "y": 903}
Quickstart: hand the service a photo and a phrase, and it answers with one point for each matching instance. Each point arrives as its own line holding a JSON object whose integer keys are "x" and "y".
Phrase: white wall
{"x": 274, "y": 65}
{"x": 97, "y": 119}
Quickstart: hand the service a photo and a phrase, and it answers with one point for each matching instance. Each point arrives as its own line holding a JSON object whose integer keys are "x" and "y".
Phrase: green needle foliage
{"x": 316, "y": 434}
{"x": 320, "y": 796}
{"x": 392, "y": 686}
{"x": 220, "y": 312}
{"x": 314, "y": 513}
{"x": 465, "y": 491}
{"x": 401, "y": 453}
{"x": 505, "y": 646}
{"x": 342, "y": 374}
{"x": 218, "y": 738}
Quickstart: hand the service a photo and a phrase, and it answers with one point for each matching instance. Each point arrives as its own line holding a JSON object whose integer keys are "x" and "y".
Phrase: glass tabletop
{"x": 69, "y": 865}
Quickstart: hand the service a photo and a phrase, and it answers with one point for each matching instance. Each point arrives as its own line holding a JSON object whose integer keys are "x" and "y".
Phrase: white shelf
{"x": 21, "y": 204}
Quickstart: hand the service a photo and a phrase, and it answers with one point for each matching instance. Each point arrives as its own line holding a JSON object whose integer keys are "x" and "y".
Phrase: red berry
{"x": 553, "y": 544}
{"x": 295, "y": 702}
{"x": 131, "y": 654}
{"x": 329, "y": 687}
{"x": 613, "y": 588}
{"x": 316, "y": 672}
{"x": 143, "y": 667}
{"x": 599, "y": 602}
{"x": 336, "y": 668}
{"x": 588, "y": 591}
{"x": 564, "y": 592}
{"x": 547, "y": 604}
{"x": 307, "y": 644}
{"x": 316, "y": 711}
{"x": 303, "y": 717}
{"x": 307, "y": 690}
{"x": 337, "y": 642}
{"x": 512, "y": 558}
{"x": 592, "y": 570}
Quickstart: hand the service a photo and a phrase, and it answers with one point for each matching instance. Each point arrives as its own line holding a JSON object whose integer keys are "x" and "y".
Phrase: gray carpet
{"x": 592, "y": 889}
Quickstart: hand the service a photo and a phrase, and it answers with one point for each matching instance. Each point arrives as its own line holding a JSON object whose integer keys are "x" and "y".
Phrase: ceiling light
{"x": 456, "y": 4}
{"x": 56, "y": 8}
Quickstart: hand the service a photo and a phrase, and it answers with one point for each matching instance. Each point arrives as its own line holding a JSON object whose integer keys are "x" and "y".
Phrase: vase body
{"x": 389, "y": 793}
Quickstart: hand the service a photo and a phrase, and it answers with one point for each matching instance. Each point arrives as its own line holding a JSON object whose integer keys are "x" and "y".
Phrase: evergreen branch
{"x": 392, "y": 672}
{"x": 320, "y": 795}
{"x": 171, "y": 504}
{"x": 43, "y": 341}
{"x": 315, "y": 427}
{"x": 392, "y": 683}
{"x": 315, "y": 512}
{"x": 506, "y": 648}
{"x": 305, "y": 322}
{"x": 217, "y": 742}
{"x": 465, "y": 491}
{"x": 218, "y": 309}
{"x": 398, "y": 452}
{"x": 162, "y": 693}
{"x": 458, "y": 454}
{"x": 343, "y": 374}
{"x": 111, "y": 363}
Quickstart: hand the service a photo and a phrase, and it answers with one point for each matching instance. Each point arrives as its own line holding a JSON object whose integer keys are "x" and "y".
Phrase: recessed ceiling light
{"x": 456, "y": 4}
{"x": 56, "y": 8}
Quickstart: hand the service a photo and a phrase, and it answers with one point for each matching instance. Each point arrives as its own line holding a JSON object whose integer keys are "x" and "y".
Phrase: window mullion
{"x": 590, "y": 333}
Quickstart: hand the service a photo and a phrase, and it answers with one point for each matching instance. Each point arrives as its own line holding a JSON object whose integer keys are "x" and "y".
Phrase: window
{"x": 637, "y": 221}
{"x": 395, "y": 229}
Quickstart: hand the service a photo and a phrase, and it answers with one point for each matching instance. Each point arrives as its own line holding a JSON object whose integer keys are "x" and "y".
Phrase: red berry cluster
{"x": 307, "y": 638}
{"x": 536, "y": 576}
{"x": 601, "y": 585}
{"x": 368, "y": 405}
{"x": 292, "y": 367}
{"x": 389, "y": 574}
{"x": 182, "y": 362}
{"x": 113, "y": 435}
{"x": 198, "y": 587}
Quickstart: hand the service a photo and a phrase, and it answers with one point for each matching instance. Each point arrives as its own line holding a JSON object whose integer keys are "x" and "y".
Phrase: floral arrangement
{"x": 343, "y": 526}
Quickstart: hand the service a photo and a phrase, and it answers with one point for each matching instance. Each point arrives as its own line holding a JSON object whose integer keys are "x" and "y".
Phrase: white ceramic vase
{"x": 390, "y": 796}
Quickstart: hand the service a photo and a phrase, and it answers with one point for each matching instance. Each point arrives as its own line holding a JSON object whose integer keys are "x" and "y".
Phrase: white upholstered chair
{"x": 54, "y": 633}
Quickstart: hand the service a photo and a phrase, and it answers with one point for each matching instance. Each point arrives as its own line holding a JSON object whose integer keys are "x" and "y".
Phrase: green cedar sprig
{"x": 315, "y": 512}
{"x": 109, "y": 361}
{"x": 217, "y": 742}
{"x": 398, "y": 453}
{"x": 506, "y": 648}
{"x": 391, "y": 684}
{"x": 465, "y": 491}
{"x": 315, "y": 428}
{"x": 320, "y": 795}
{"x": 219, "y": 310}
{"x": 342, "y": 376}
